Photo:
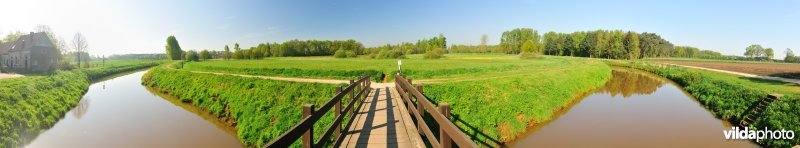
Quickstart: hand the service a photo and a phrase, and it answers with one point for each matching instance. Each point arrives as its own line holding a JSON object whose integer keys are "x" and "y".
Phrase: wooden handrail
{"x": 305, "y": 129}
{"x": 448, "y": 131}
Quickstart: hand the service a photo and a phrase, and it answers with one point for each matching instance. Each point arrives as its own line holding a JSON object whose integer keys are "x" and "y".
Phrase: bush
{"x": 390, "y": 54}
{"x": 340, "y": 54}
{"x": 191, "y": 56}
{"x": 437, "y": 53}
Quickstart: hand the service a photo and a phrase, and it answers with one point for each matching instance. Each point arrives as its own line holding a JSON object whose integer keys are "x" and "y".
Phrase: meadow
{"x": 453, "y": 66}
{"x": 502, "y": 108}
{"x": 31, "y": 104}
{"x": 730, "y": 96}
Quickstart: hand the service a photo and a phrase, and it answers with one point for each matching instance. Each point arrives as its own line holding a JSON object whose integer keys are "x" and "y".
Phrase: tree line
{"x": 612, "y": 44}
{"x": 433, "y": 48}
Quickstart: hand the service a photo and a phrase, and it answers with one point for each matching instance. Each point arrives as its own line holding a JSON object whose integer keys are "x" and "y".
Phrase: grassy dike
{"x": 259, "y": 109}
{"x": 730, "y": 96}
{"x": 31, "y": 104}
{"x": 497, "y": 110}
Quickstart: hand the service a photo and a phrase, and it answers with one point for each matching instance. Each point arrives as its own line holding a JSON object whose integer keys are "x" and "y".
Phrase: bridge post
{"x": 444, "y": 138}
{"x": 420, "y": 108}
{"x": 308, "y": 137}
{"x": 338, "y": 112}
{"x": 352, "y": 94}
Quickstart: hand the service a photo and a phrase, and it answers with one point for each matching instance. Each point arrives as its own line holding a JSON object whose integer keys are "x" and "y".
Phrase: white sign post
{"x": 399, "y": 63}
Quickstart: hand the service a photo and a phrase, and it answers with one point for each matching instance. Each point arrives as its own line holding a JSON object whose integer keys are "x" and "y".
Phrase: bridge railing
{"x": 357, "y": 92}
{"x": 418, "y": 104}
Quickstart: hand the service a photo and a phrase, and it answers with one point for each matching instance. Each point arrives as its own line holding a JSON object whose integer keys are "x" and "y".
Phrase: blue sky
{"x": 141, "y": 26}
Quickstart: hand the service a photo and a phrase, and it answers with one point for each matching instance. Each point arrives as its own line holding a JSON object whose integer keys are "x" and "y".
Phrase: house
{"x": 31, "y": 52}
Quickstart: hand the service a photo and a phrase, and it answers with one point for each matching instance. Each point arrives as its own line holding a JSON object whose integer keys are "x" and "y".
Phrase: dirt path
{"x": 8, "y": 75}
{"x": 787, "y": 80}
{"x": 307, "y": 80}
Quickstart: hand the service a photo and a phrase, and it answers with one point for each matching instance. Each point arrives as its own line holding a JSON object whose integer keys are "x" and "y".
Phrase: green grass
{"x": 260, "y": 109}
{"x": 31, "y": 104}
{"x": 730, "y": 96}
{"x": 453, "y": 66}
{"x": 501, "y": 108}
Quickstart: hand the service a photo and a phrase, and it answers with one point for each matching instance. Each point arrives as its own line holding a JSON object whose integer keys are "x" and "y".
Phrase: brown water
{"x": 120, "y": 112}
{"x": 634, "y": 109}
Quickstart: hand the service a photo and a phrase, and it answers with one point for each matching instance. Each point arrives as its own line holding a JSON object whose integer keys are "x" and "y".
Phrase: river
{"x": 633, "y": 109}
{"x": 120, "y": 112}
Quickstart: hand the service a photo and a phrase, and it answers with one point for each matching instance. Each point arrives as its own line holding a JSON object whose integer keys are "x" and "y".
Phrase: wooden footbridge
{"x": 377, "y": 117}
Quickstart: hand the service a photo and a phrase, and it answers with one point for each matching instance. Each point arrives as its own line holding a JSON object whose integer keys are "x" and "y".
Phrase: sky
{"x": 142, "y": 26}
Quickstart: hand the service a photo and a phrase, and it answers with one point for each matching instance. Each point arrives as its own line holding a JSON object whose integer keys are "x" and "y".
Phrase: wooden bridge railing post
{"x": 308, "y": 137}
{"x": 338, "y": 111}
{"x": 353, "y": 95}
{"x": 420, "y": 108}
{"x": 444, "y": 138}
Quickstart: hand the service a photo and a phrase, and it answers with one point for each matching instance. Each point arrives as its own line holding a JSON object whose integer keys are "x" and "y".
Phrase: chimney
{"x": 31, "y": 36}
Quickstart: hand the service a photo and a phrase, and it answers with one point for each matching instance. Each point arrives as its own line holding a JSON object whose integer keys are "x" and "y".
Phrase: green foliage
{"x": 503, "y": 107}
{"x": 512, "y": 41}
{"x": 341, "y": 53}
{"x": 191, "y": 55}
{"x": 174, "y": 51}
{"x": 261, "y": 109}
{"x": 437, "y": 53}
{"x": 205, "y": 55}
{"x": 730, "y": 97}
{"x": 31, "y": 104}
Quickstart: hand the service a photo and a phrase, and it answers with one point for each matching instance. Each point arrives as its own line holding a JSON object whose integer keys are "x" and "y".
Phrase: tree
{"x": 174, "y": 51}
{"x": 484, "y": 40}
{"x": 512, "y": 41}
{"x": 790, "y": 56}
{"x": 753, "y": 51}
{"x": 205, "y": 55}
{"x": 227, "y": 54}
{"x": 80, "y": 45}
{"x": 191, "y": 55}
{"x": 632, "y": 45}
{"x": 769, "y": 53}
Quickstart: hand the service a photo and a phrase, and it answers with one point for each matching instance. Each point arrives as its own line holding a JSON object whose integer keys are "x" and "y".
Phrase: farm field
{"x": 785, "y": 70}
{"x": 453, "y": 66}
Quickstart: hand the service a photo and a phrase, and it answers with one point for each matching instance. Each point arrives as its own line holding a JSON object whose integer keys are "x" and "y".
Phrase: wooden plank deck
{"x": 382, "y": 122}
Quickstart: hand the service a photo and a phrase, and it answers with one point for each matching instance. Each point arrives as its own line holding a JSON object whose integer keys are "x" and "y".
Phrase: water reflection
{"x": 123, "y": 113}
{"x": 82, "y": 108}
{"x": 634, "y": 109}
{"x": 627, "y": 82}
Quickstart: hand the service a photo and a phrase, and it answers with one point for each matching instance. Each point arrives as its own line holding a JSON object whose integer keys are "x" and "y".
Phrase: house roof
{"x": 5, "y": 47}
{"x": 25, "y": 42}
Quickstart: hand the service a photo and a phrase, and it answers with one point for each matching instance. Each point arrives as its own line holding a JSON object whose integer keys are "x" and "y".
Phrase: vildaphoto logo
{"x": 756, "y": 134}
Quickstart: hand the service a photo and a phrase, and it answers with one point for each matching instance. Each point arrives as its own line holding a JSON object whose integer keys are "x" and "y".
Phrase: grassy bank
{"x": 503, "y": 106}
{"x": 31, "y": 104}
{"x": 260, "y": 109}
{"x": 730, "y": 96}
{"x": 454, "y": 66}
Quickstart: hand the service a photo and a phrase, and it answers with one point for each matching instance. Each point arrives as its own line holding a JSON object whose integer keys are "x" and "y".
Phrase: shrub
{"x": 437, "y": 53}
{"x": 340, "y": 54}
{"x": 191, "y": 55}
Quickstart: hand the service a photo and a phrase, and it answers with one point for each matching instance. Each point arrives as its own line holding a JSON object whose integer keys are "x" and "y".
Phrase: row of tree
{"x": 612, "y": 44}
{"x": 294, "y": 48}
{"x": 434, "y": 48}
